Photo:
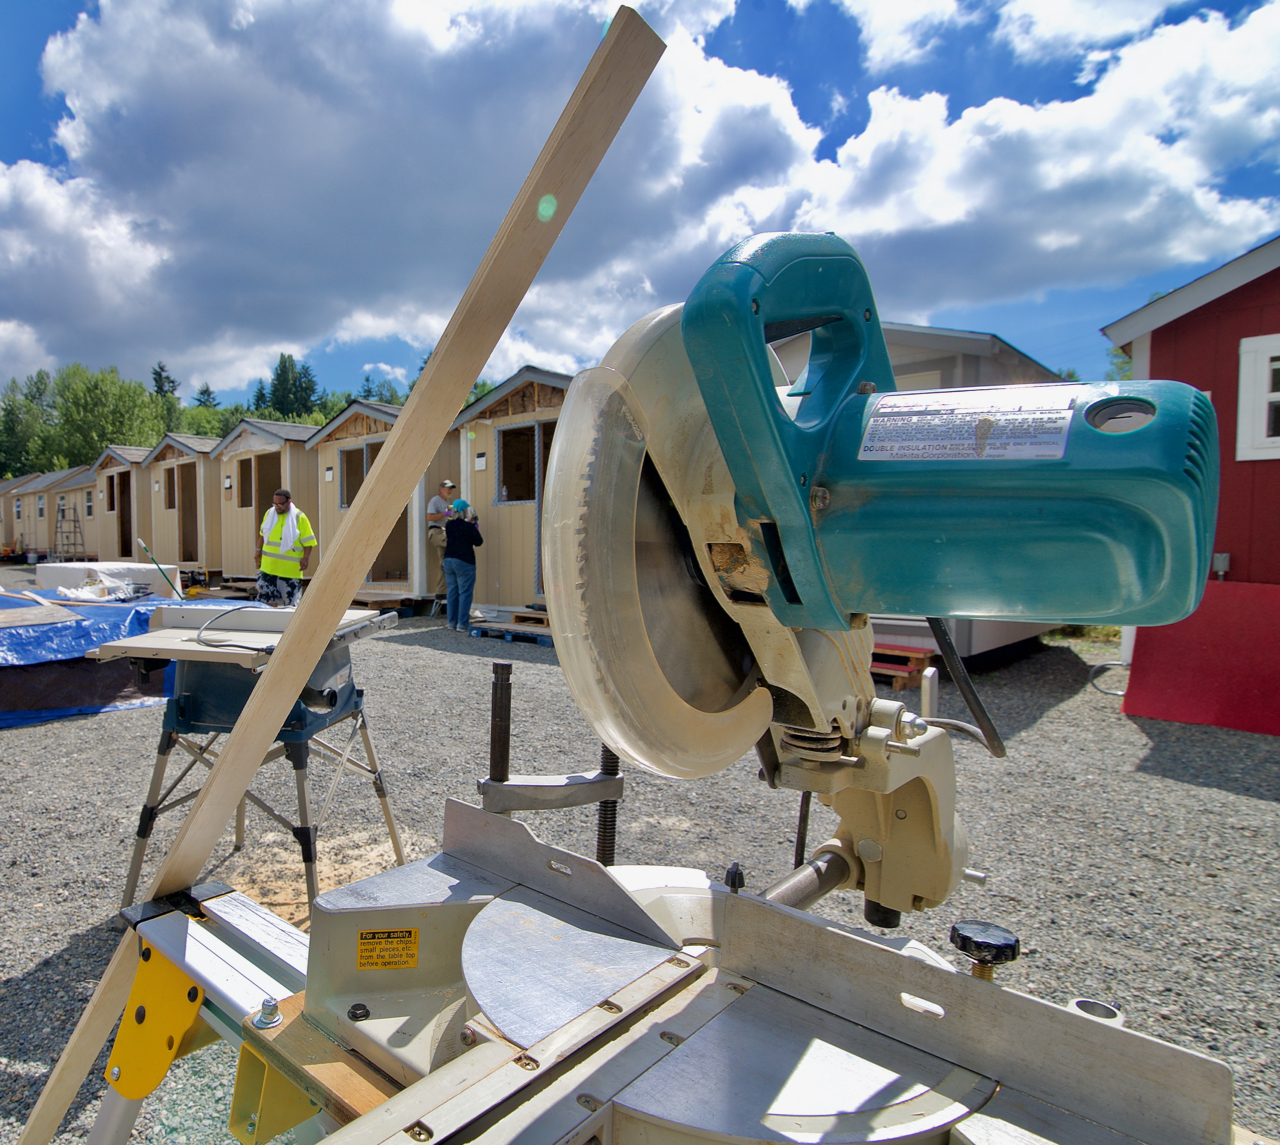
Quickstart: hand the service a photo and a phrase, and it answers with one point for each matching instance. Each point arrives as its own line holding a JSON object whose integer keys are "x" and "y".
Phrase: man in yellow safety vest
{"x": 282, "y": 550}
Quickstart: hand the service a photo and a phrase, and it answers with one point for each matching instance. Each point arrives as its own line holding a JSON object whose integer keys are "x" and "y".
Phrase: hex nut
{"x": 358, "y": 1012}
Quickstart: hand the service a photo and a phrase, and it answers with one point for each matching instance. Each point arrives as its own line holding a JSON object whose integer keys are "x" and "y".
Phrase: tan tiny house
{"x": 505, "y": 440}
{"x": 124, "y": 502}
{"x": 255, "y": 459}
{"x": 71, "y": 532}
{"x": 186, "y": 502}
{"x": 16, "y": 513}
{"x": 345, "y": 450}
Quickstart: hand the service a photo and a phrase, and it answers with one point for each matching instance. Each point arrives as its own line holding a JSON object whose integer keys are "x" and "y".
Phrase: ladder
{"x": 68, "y": 538}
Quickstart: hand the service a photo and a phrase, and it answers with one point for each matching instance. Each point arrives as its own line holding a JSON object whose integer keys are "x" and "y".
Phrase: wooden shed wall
{"x": 75, "y": 498}
{"x": 165, "y": 521}
{"x": 1203, "y": 349}
{"x": 507, "y": 563}
{"x": 239, "y": 525}
{"x": 140, "y": 505}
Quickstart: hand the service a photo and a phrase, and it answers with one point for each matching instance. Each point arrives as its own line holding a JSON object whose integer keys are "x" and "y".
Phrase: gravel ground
{"x": 1135, "y": 858}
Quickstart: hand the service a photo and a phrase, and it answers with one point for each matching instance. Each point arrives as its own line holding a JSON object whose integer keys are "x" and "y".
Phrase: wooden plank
{"x": 343, "y": 1083}
{"x": 613, "y": 80}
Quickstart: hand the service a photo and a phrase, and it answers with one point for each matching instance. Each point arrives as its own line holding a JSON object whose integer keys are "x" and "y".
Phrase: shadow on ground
{"x": 1242, "y": 763}
{"x": 45, "y": 1004}
{"x": 442, "y": 639}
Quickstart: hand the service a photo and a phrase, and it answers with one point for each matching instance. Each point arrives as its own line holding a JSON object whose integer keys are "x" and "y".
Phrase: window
{"x": 111, "y": 493}
{"x": 1258, "y": 414}
{"x": 39, "y": 506}
{"x": 170, "y": 488}
{"x": 517, "y": 477}
{"x": 88, "y": 503}
{"x": 62, "y": 507}
{"x": 17, "y": 508}
{"x": 244, "y": 483}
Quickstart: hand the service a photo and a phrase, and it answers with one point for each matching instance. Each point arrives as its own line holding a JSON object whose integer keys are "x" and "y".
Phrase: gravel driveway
{"x": 1135, "y": 858}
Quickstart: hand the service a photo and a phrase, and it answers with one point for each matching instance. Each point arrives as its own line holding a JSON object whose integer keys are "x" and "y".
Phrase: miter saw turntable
{"x": 730, "y": 494}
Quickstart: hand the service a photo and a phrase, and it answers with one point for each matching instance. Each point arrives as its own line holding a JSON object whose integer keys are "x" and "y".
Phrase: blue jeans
{"x": 460, "y": 578}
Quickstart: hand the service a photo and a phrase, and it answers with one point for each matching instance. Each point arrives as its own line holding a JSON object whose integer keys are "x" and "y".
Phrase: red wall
{"x": 1203, "y": 349}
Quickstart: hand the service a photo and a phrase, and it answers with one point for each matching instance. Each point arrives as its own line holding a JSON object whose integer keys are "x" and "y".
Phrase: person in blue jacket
{"x": 462, "y": 538}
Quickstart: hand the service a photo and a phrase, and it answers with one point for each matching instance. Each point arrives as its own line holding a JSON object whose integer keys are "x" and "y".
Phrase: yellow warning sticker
{"x": 387, "y": 949}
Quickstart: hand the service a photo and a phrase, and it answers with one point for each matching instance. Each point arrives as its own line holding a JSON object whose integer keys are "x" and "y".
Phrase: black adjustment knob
{"x": 734, "y": 879}
{"x": 987, "y": 944}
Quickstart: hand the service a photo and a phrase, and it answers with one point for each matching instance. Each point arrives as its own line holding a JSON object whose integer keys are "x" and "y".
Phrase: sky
{"x": 212, "y": 184}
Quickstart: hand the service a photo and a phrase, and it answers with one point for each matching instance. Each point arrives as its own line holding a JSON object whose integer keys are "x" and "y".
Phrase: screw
{"x": 468, "y": 1036}
{"x": 358, "y": 1012}
{"x": 670, "y": 1038}
{"x": 269, "y": 1015}
{"x": 866, "y": 387}
{"x": 589, "y": 1103}
{"x": 680, "y": 962}
{"x": 819, "y": 498}
{"x": 524, "y": 1061}
{"x": 419, "y": 1132}
{"x": 115, "y": 1073}
{"x": 610, "y": 1007}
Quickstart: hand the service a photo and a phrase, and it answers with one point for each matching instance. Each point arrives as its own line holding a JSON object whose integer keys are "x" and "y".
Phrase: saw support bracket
{"x": 548, "y": 792}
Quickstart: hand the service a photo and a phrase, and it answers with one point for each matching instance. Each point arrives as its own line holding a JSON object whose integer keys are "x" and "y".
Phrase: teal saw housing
{"x": 1080, "y": 502}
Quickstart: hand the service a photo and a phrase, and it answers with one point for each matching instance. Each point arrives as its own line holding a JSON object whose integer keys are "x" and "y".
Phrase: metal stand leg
{"x": 380, "y": 789}
{"x": 115, "y": 1121}
{"x": 305, "y": 832}
{"x": 146, "y": 820}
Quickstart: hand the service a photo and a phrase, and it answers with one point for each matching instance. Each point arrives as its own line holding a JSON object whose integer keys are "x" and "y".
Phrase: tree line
{"x": 59, "y": 420}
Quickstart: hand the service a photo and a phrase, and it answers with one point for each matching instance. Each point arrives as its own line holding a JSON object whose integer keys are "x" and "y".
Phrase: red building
{"x": 1221, "y": 334}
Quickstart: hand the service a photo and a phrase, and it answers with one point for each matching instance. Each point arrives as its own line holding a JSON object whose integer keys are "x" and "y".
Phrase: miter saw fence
{"x": 718, "y": 526}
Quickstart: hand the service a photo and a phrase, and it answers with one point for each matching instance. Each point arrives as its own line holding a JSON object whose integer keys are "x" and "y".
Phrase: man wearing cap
{"x": 282, "y": 549}
{"x": 437, "y": 515}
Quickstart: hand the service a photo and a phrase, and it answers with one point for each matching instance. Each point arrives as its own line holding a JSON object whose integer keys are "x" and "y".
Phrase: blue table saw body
{"x": 1076, "y": 503}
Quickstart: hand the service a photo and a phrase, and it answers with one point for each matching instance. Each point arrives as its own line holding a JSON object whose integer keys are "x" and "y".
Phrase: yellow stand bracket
{"x": 160, "y": 1022}
{"x": 265, "y": 1103}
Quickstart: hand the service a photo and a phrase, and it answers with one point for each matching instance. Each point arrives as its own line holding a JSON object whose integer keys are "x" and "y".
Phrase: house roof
{"x": 13, "y": 484}
{"x": 46, "y": 481}
{"x": 1199, "y": 291}
{"x": 129, "y": 454}
{"x": 279, "y": 431}
{"x": 383, "y": 410}
{"x": 522, "y": 376}
{"x": 80, "y": 475}
{"x": 187, "y": 442}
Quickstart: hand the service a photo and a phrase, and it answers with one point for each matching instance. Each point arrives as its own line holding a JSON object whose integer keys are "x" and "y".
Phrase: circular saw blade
{"x": 658, "y": 669}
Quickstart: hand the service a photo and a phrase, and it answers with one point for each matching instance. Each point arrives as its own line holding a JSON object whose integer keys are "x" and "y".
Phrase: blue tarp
{"x": 94, "y": 624}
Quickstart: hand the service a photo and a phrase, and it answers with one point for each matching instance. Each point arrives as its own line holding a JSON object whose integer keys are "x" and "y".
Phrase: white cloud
{"x": 1043, "y": 27}
{"x": 21, "y": 351}
{"x": 254, "y": 176}
{"x": 901, "y": 31}
{"x": 395, "y": 373}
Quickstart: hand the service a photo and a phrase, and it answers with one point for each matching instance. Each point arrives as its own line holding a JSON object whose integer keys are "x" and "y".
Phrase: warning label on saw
{"x": 387, "y": 949}
{"x": 1000, "y": 423}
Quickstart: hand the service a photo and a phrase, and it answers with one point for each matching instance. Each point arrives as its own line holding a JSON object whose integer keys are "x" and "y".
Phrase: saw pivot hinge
{"x": 265, "y": 1103}
{"x": 161, "y": 1020}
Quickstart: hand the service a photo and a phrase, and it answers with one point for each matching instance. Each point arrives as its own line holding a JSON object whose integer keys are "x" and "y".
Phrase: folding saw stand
{"x": 219, "y": 657}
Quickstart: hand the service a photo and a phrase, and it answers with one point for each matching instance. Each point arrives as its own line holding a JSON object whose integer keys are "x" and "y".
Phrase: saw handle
{"x": 763, "y": 289}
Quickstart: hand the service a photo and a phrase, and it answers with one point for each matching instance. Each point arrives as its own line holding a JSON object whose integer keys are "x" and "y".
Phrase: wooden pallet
{"x": 904, "y": 667}
{"x": 524, "y": 633}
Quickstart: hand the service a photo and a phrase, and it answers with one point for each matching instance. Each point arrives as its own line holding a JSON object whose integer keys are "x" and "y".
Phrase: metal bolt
{"x": 468, "y": 1036}
{"x": 269, "y": 1015}
{"x": 589, "y": 1103}
{"x": 670, "y": 1038}
{"x": 524, "y": 1061}
{"x": 737, "y": 988}
{"x": 358, "y": 1012}
{"x": 115, "y": 1073}
{"x": 866, "y": 387}
{"x": 610, "y": 1007}
{"x": 819, "y": 498}
{"x": 680, "y": 962}
{"x": 419, "y": 1132}
{"x": 900, "y": 813}
{"x": 193, "y": 993}
{"x": 251, "y": 1128}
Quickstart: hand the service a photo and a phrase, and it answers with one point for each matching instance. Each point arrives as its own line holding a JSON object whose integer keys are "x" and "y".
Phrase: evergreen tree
{"x": 205, "y": 396}
{"x": 161, "y": 382}
{"x": 304, "y": 391}
{"x": 260, "y": 399}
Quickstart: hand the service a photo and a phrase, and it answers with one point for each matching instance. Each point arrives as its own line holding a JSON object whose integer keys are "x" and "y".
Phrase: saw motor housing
{"x": 717, "y": 530}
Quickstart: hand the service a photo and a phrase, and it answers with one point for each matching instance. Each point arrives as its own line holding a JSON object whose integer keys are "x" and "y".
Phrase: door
{"x": 393, "y": 561}
{"x": 188, "y": 514}
{"x": 268, "y": 481}
{"x": 124, "y": 514}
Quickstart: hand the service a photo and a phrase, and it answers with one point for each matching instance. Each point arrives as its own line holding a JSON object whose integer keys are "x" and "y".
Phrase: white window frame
{"x": 88, "y": 503}
{"x": 39, "y": 506}
{"x": 1252, "y": 442}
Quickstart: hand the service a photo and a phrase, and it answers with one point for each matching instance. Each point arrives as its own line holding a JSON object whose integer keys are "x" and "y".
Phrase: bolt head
{"x": 269, "y": 1015}
{"x": 358, "y": 1012}
{"x": 115, "y": 1073}
{"x": 985, "y": 942}
{"x": 468, "y": 1036}
{"x": 819, "y": 498}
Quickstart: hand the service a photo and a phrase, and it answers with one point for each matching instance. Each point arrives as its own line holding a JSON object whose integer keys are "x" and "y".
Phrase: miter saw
{"x": 730, "y": 494}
